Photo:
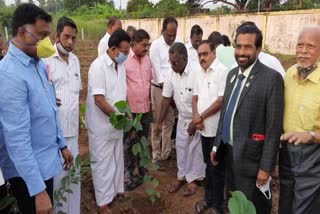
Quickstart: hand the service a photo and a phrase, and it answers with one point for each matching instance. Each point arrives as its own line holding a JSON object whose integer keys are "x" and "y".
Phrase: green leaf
{"x": 64, "y": 199}
{"x": 137, "y": 125}
{"x": 155, "y": 183}
{"x": 69, "y": 191}
{"x": 146, "y": 179}
{"x": 152, "y": 199}
{"x": 123, "y": 107}
{"x": 83, "y": 108}
{"x": 144, "y": 141}
{"x": 64, "y": 181}
{"x": 59, "y": 205}
{"x": 128, "y": 125}
{"x": 136, "y": 148}
{"x": 239, "y": 204}
{"x": 113, "y": 118}
{"x": 144, "y": 162}
{"x": 158, "y": 194}
{"x": 78, "y": 161}
{"x": 149, "y": 191}
{"x": 120, "y": 124}
{"x": 154, "y": 167}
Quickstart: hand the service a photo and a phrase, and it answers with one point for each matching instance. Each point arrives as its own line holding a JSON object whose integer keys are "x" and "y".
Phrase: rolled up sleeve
{"x": 97, "y": 80}
{"x": 15, "y": 120}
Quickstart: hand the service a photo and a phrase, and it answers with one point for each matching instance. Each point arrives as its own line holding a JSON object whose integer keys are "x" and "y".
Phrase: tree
{"x": 42, "y": 3}
{"x": 2, "y": 3}
{"x": 31, "y": 1}
{"x": 138, "y": 5}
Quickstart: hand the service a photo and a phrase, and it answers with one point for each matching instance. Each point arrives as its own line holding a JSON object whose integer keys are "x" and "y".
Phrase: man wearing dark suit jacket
{"x": 251, "y": 121}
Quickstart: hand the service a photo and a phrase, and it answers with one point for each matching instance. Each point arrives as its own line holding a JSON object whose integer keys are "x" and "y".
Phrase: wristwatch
{"x": 313, "y": 135}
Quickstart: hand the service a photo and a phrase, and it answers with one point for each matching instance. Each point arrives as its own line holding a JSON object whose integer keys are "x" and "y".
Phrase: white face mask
{"x": 265, "y": 189}
{"x": 62, "y": 49}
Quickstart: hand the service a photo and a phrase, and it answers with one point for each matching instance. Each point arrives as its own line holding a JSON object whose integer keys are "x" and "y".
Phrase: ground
{"x": 138, "y": 201}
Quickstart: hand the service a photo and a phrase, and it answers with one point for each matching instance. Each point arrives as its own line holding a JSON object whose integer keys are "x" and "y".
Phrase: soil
{"x": 138, "y": 201}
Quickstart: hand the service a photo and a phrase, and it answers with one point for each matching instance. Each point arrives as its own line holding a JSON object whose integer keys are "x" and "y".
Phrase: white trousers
{"x": 189, "y": 153}
{"x": 107, "y": 168}
{"x": 72, "y": 206}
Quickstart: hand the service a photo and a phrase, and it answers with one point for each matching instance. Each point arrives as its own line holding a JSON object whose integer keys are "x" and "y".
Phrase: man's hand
{"x": 262, "y": 177}
{"x": 196, "y": 119}
{"x": 297, "y": 137}
{"x": 191, "y": 129}
{"x": 200, "y": 126}
{"x": 158, "y": 129}
{"x": 43, "y": 203}
{"x": 213, "y": 158}
{"x": 68, "y": 158}
{"x": 58, "y": 102}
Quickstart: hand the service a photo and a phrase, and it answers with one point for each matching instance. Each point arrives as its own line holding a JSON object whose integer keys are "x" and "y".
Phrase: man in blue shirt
{"x": 29, "y": 120}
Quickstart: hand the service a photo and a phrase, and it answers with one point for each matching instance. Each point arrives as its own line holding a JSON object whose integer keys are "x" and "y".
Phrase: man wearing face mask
{"x": 107, "y": 85}
{"x": 113, "y": 24}
{"x": 250, "y": 123}
{"x": 159, "y": 55}
{"x": 29, "y": 118}
{"x": 139, "y": 76}
{"x": 192, "y": 46}
{"x": 299, "y": 157}
{"x": 64, "y": 68}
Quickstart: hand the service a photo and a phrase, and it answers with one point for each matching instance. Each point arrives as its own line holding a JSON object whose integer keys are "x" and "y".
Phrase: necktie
{"x": 230, "y": 109}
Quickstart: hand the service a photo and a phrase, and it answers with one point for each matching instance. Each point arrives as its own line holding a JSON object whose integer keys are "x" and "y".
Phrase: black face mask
{"x": 304, "y": 72}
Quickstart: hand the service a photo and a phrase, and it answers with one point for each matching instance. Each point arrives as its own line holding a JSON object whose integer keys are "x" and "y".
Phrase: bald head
{"x": 308, "y": 46}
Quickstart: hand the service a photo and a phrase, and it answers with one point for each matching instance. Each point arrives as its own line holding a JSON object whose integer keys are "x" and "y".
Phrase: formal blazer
{"x": 258, "y": 115}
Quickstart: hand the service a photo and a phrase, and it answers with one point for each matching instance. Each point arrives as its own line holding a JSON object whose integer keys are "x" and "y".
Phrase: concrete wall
{"x": 280, "y": 29}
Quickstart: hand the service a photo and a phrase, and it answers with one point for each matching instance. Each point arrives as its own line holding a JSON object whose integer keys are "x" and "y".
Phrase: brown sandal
{"x": 191, "y": 189}
{"x": 176, "y": 186}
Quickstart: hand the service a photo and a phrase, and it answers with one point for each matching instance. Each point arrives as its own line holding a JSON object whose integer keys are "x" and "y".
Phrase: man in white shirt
{"x": 113, "y": 24}
{"x": 207, "y": 102}
{"x": 179, "y": 85}
{"x": 64, "y": 73}
{"x": 107, "y": 85}
{"x": 159, "y": 56}
{"x": 192, "y": 46}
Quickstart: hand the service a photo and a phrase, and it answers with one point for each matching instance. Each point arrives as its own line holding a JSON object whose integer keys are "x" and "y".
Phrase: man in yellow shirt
{"x": 299, "y": 159}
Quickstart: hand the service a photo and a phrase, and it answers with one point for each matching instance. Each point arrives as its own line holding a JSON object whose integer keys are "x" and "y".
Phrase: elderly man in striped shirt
{"x": 64, "y": 70}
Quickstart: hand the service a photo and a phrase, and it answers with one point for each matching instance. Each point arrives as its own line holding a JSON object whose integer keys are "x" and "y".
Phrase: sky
{"x": 117, "y": 3}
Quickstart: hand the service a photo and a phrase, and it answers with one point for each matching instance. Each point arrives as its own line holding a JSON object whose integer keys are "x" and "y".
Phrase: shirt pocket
{"x": 188, "y": 94}
{"x": 75, "y": 83}
{"x": 309, "y": 111}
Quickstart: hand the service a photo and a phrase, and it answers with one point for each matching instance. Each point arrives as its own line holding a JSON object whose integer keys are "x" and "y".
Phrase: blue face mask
{"x": 121, "y": 57}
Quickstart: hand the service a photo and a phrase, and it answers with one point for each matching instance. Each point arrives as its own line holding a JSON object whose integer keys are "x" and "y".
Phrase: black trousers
{"x": 25, "y": 202}
{"x": 214, "y": 188}
{"x": 129, "y": 157}
{"x": 299, "y": 171}
{"x": 246, "y": 184}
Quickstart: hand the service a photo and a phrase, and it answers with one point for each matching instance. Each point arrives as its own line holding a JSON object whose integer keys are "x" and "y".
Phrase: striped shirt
{"x": 67, "y": 81}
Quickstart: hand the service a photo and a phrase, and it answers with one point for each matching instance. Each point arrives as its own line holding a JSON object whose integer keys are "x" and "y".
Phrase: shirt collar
{"x": 108, "y": 60}
{"x": 213, "y": 65}
{"x": 313, "y": 77}
{"x": 20, "y": 55}
{"x": 247, "y": 72}
{"x": 131, "y": 53}
{"x": 189, "y": 46}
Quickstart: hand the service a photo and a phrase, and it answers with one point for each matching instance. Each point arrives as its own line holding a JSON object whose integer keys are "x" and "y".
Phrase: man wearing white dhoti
{"x": 179, "y": 85}
{"x": 64, "y": 68}
{"x": 107, "y": 85}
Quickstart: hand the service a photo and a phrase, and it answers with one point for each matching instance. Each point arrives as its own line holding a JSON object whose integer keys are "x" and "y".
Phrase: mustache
{"x": 246, "y": 56}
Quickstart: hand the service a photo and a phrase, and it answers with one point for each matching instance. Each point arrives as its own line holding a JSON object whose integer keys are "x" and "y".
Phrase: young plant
{"x": 123, "y": 120}
{"x": 239, "y": 204}
{"x": 79, "y": 169}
